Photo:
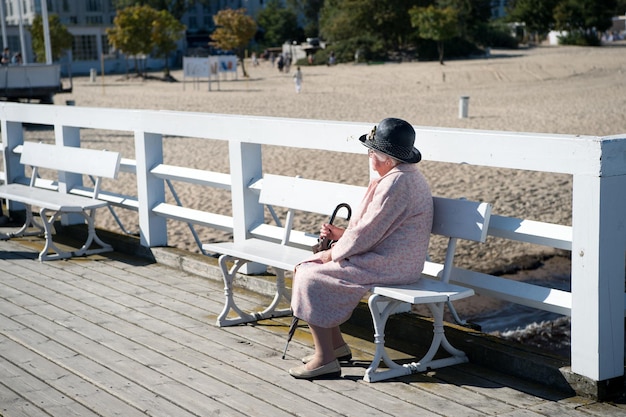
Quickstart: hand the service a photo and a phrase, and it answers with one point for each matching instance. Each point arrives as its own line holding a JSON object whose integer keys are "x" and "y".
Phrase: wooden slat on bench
{"x": 189, "y": 215}
{"x": 70, "y": 159}
{"x": 261, "y": 251}
{"x": 427, "y": 290}
{"x": 295, "y": 193}
{"x": 49, "y": 199}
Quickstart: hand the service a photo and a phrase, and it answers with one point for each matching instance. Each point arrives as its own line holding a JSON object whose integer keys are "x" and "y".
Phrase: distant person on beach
{"x": 297, "y": 79}
{"x": 5, "y": 59}
{"x": 331, "y": 59}
{"x": 280, "y": 63}
{"x": 385, "y": 243}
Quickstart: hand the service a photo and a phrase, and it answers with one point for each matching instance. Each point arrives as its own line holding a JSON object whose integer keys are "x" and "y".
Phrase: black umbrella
{"x": 323, "y": 244}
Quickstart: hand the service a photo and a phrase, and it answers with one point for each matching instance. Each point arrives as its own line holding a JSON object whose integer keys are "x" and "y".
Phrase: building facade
{"x": 88, "y": 20}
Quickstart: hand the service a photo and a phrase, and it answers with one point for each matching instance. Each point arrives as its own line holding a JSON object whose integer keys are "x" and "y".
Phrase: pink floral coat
{"x": 386, "y": 242}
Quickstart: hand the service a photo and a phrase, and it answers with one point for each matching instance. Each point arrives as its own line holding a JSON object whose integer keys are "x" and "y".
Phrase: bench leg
{"x": 92, "y": 237}
{"x": 28, "y": 223}
{"x": 229, "y": 275}
{"x": 379, "y": 319}
{"x": 48, "y": 217}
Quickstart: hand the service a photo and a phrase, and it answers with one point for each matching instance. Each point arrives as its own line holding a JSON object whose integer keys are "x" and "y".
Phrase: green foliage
{"x": 310, "y": 9}
{"x": 234, "y": 32}
{"x": 138, "y": 30}
{"x": 582, "y": 16}
{"x": 538, "y": 15}
{"x": 60, "y": 37}
{"x": 435, "y": 24}
{"x": 495, "y": 34}
{"x": 387, "y": 21}
{"x": 278, "y": 24}
{"x": 578, "y": 38}
{"x": 166, "y": 30}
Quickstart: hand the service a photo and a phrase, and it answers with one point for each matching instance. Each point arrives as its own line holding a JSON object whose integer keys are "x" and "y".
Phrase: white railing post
{"x": 12, "y": 136}
{"x": 68, "y": 136}
{"x": 150, "y": 190}
{"x": 598, "y": 248}
{"x": 245, "y": 167}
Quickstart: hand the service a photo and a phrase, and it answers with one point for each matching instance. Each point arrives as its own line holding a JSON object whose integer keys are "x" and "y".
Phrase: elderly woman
{"x": 386, "y": 242}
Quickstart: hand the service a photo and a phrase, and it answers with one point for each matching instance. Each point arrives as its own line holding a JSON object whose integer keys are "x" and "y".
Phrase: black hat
{"x": 393, "y": 137}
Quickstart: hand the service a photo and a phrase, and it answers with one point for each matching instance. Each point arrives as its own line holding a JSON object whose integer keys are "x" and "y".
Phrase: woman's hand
{"x": 326, "y": 255}
{"x": 331, "y": 232}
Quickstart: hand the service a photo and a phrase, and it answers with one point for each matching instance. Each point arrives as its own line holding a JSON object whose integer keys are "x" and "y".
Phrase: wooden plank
{"x": 426, "y": 290}
{"x": 51, "y": 200}
{"x": 539, "y": 233}
{"x": 313, "y": 196}
{"x": 462, "y": 219}
{"x": 70, "y": 159}
{"x": 199, "y": 217}
{"x": 192, "y": 176}
{"x": 263, "y": 252}
{"x": 543, "y": 298}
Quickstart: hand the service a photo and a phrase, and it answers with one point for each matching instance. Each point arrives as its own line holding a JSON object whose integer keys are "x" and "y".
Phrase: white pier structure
{"x": 596, "y": 238}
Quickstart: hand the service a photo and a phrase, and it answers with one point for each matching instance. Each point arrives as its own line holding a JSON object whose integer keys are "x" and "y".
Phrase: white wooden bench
{"x": 453, "y": 218}
{"x": 280, "y": 247}
{"x": 53, "y": 203}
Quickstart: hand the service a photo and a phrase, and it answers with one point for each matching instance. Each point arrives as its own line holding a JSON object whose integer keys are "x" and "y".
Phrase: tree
{"x": 310, "y": 9}
{"x": 234, "y": 32}
{"x": 436, "y": 24}
{"x": 377, "y": 26}
{"x": 278, "y": 24}
{"x": 60, "y": 38}
{"x": 132, "y": 32}
{"x": 586, "y": 16}
{"x": 140, "y": 30}
{"x": 166, "y": 30}
{"x": 538, "y": 15}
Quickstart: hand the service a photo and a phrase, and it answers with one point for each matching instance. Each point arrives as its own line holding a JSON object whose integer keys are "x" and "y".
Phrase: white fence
{"x": 597, "y": 237}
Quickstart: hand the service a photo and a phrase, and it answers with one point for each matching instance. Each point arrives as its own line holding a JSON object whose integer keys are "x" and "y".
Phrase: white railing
{"x": 597, "y": 237}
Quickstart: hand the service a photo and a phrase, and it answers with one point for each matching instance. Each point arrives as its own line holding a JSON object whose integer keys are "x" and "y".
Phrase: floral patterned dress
{"x": 386, "y": 242}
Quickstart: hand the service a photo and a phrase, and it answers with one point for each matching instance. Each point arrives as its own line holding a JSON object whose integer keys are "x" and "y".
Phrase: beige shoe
{"x": 330, "y": 370}
{"x": 342, "y": 353}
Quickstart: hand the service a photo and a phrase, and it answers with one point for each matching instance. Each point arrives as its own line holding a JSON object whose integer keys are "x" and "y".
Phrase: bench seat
{"x": 52, "y": 200}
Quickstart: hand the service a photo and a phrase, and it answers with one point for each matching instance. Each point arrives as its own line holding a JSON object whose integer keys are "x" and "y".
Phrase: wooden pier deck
{"x": 116, "y": 335}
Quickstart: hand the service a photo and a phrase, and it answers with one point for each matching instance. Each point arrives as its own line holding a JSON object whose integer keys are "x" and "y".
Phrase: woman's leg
{"x": 326, "y": 341}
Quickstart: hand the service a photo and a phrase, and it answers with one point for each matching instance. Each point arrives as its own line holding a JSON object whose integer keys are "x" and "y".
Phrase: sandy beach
{"x": 570, "y": 90}
{"x": 565, "y": 90}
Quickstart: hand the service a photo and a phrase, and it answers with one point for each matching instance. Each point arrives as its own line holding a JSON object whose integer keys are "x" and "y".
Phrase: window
{"x": 93, "y": 20}
{"x": 84, "y": 48}
{"x": 94, "y": 5}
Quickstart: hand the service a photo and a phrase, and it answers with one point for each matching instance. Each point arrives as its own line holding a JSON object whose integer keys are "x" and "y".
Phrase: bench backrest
{"x": 70, "y": 159}
{"x": 459, "y": 219}
{"x": 314, "y": 196}
{"x": 295, "y": 193}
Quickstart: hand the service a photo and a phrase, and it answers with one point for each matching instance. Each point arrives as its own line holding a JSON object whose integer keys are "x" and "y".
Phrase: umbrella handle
{"x": 339, "y": 207}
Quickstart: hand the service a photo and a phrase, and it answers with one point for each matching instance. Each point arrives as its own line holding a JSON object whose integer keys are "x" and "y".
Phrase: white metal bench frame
{"x": 287, "y": 248}
{"x": 53, "y": 204}
{"x": 454, "y": 219}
